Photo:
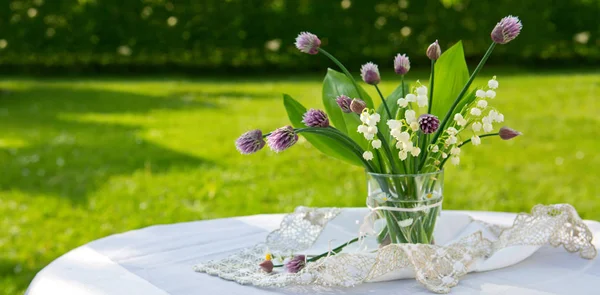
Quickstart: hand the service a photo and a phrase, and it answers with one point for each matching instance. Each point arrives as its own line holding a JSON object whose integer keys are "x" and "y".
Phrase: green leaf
{"x": 326, "y": 145}
{"x": 392, "y": 104}
{"x": 451, "y": 75}
{"x": 334, "y": 85}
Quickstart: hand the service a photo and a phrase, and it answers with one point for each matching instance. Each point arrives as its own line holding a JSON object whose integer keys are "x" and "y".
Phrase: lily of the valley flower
{"x": 402, "y": 102}
{"x": 482, "y": 104}
{"x": 480, "y": 93}
{"x": 411, "y": 119}
{"x": 476, "y": 112}
{"x": 460, "y": 120}
{"x": 455, "y": 151}
{"x": 493, "y": 83}
{"x": 422, "y": 99}
{"x": 369, "y": 127}
{"x": 415, "y": 151}
{"x": 455, "y": 160}
{"x": 368, "y": 155}
{"x": 406, "y": 222}
{"x": 410, "y": 116}
{"x": 451, "y": 140}
{"x": 376, "y": 144}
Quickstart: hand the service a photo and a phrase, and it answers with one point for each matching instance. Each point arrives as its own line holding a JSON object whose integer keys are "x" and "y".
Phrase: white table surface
{"x": 158, "y": 260}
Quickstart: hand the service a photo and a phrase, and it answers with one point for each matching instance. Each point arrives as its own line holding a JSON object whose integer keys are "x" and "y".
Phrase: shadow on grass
{"x": 210, "y": 96}
{"x": 70, "y": 158}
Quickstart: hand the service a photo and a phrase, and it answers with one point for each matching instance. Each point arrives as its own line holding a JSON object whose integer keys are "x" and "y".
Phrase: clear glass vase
{"x": 405, "y": 207}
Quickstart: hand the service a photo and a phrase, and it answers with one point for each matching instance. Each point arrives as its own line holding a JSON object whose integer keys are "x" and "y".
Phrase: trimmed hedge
{"x": 209, "y": 34}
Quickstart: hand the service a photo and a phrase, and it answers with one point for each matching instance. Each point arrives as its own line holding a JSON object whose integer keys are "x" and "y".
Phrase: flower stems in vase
{"x": 402, "y": 144}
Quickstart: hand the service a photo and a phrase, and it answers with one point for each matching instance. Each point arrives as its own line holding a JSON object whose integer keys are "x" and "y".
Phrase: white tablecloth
{"x": 158, "y": 260}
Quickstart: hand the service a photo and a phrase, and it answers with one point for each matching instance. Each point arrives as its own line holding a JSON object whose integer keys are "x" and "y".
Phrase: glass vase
{"x": 405, "y": 207}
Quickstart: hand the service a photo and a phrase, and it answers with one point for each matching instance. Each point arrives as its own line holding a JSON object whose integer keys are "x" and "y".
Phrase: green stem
{"x": 482, "y": 136}
{"x": 334, "y": 251}
{"x": 462, "y": 92}
{"x": 381, "y": 163}
{"x": 431, "y": 86}
{"x": 392, "y": 162}
{"x": 403, "y": 87}
{"x": 388, "y": 152}
{"x": 343, "y": 68}
{"x": 423, "y": 145}
{"x": 465, "y": 142}
{"x": 387, "y": 110}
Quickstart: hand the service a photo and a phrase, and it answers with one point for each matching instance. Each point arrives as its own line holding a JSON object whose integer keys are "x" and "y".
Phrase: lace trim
{"x": 438, "y": 268}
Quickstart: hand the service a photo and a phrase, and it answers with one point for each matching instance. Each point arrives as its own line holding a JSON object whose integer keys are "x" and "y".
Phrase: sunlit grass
{"x": 82, "y": 159}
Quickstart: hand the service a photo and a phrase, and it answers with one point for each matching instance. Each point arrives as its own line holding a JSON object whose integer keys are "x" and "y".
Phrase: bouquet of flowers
{"x": 403, "y": 144}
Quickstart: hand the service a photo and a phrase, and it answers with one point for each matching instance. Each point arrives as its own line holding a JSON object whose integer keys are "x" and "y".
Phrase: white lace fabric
{"x": 438, "y": 268}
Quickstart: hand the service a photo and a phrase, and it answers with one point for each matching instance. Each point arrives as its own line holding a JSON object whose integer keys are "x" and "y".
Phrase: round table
{"x": 158, "y": 260}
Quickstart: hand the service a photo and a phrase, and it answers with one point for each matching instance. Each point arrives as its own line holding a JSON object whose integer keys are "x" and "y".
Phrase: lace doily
{"x": 438, "y": 268}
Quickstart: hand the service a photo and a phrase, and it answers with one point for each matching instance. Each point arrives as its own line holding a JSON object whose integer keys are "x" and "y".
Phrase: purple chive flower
{"x": 250, "y": 142}
{"x": 370, "y": 73}
{"x": 266, "y": 266}
{"x": 429, "y": 123}
{"x": 357, "y": 106}
{"x": 508, "y": 133}
{"x": 282, "y": 138}
{"x": 434, "y": 51}
{"x": 296, "y": 264}
{"x": 506, "y": 30}
{"x": 315, "y": 118}
{"x": 344, "y": 103}
{"x": 308, "y": 43}
{"x": 401, "y": 64}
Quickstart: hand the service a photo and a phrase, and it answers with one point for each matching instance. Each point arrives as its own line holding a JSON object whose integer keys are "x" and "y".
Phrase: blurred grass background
{"x": 116, "y": 115}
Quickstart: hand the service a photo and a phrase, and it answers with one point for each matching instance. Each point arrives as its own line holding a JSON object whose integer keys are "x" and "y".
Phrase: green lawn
{"x": 82, "y": 159}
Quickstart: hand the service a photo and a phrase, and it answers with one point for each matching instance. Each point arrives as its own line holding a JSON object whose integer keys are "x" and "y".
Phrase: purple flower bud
{"x": 282, "y": 138}
{"x": 308, "y": 43}
{"x": 315, "y": 118}
{"x": 370, "y": 73}
{"x": 429, "y": 123}
{"x": 506, "y": 30}
{"x": 250, "y": 142}
{"x": 344, "y": 103}
{"x": 508, "y": 133}
{"x": 296, "y": 264}
{"x": 357, "y": 106}
{"x": 401, "y": 64}
{"x": 266, "y": 266}
{"x": 434, "y": 51}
